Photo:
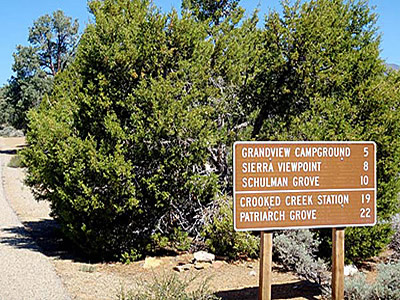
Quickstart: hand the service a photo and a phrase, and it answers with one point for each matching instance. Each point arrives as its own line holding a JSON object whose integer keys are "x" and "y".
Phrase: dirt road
{"x": 25, "y": 273}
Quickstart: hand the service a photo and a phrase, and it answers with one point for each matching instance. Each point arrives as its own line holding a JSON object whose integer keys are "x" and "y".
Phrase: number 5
{"x": 366, "y": 151}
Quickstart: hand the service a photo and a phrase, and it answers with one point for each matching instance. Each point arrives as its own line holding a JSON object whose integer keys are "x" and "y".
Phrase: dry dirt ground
{"x": 85, "y": 280}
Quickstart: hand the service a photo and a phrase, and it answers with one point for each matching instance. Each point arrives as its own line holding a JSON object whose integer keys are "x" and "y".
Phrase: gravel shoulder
{"x": 36, "y": 258}
{"x": 26, "y": 273}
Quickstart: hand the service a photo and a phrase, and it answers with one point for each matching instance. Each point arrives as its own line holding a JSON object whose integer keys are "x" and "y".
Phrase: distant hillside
{"x": 393, "y": 66}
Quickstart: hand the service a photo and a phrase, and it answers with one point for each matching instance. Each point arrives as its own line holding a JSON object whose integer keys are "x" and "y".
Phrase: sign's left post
{"x": 264, "y": 291}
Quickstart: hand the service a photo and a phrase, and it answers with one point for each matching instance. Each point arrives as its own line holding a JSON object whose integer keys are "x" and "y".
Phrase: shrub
{"x": 357, "y": 288}
{"x": 9, "y": 131}
{"x": 180, "y": 239}
{"x": 168, "y": 287}
{"x": 222, "y": 239}
{"x": 88, "y": 268}
{"x": 296, "y": 250}
{"x": 131, "y": 256}
{"x": 135, "y": 140}
{"x": 364, "y": 242}
{"x": 177, "y": 240}
{"x": 385, "y": 287}
{"x": 121, "y": 147}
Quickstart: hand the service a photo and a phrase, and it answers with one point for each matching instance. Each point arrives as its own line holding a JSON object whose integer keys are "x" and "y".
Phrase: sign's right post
{"x": 338, "y": 263}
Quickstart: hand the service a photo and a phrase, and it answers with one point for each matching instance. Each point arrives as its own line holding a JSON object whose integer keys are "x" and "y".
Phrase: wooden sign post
{"x": 337, "y": 263}
{"x": 290, "y": 185}
{"x": 265, "y": 280}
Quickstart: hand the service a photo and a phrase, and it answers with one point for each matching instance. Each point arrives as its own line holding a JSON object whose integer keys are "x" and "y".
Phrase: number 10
{"x": 364, "y": 179}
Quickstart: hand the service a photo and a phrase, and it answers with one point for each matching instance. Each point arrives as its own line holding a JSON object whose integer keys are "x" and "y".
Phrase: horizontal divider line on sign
{"x": 304, "y": 191}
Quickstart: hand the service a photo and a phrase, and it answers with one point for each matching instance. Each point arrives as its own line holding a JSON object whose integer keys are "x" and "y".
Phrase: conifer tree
{"x": 52, "y": 40}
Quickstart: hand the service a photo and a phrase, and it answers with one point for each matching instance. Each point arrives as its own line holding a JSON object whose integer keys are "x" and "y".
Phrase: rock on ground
{"x": 202, "y": 256}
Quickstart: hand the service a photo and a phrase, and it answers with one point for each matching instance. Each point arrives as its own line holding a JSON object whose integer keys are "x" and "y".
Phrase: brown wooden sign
{"x": 281, "y": 185}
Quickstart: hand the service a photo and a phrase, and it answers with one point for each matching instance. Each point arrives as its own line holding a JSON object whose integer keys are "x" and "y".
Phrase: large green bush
{"x": 120, "y": 148}
{"x": 132, "y": 145}
{"x": 319, "y": 77}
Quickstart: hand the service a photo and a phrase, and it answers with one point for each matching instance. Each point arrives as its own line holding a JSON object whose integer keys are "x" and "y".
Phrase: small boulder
{"x": 350, "y": 270}
{"x": 202, "y": 256}
{"x": 151, "y": 262}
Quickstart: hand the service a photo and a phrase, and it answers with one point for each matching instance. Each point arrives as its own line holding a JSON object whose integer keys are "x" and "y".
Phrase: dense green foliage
{"x": 210, "y": 10}
{"x": 52, "y": 44}
{"x": 135, "y": 141}
{"x": 320, "y": 77}
{"x": 124, "y": 141}
{"x": 222, "y": 239}
{"x": 362, "y": 243}
{"x": 4, "y": 108}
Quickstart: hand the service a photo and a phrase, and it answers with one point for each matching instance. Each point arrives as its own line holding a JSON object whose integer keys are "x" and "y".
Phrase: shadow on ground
{"x": 43, "y": 236}
{"x": 279, "y": 291}
{"x": 9, "y": 151}
{"x": 13, "y": 150}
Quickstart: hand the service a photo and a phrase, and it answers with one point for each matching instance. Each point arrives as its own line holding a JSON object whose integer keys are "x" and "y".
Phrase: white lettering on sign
{"x": 308, "y": 166}
{"x": 262, "y": 216}
{"x": 314, "y": 184}
{"x": 298, "y": 200}
{"x": 253, "y": 167}
{"x": 302, "y": 215}
{"x": 261, "y": 201}
{"x": 250, "y": 152}
{"x": 305, "y": 181}
{"x": 262, "y": 182}
{"x": 322, "y": 152}
{"x": 339, "y": 199}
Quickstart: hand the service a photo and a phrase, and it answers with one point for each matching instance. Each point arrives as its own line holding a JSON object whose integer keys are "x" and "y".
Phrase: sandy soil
{"x": 84, "y": 280}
